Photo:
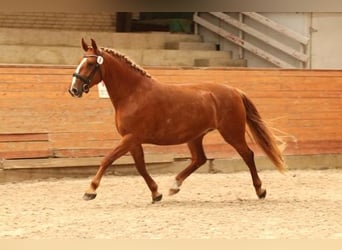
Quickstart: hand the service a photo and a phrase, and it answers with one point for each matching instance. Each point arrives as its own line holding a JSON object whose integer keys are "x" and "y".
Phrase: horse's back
{"x": 224, "y": 97}
{"x": 226, "y": 104}
{"x": 214, "y": 100}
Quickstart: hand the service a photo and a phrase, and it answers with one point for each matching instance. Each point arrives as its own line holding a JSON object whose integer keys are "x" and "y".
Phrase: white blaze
{"x": 77, "y": 72}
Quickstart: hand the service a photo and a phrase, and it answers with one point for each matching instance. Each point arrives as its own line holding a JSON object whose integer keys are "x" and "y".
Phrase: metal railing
{"x": 299, "y": 55}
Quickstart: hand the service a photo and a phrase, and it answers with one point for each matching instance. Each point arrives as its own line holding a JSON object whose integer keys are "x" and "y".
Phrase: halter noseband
{"x": 87, "y": 80}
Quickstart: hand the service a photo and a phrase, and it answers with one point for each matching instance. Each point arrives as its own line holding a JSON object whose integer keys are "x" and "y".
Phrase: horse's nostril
{"x": 74, "y": 91}
{"x": 86, "y": 88}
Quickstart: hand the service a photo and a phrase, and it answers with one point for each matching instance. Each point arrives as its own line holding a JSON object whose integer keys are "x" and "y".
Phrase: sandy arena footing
{"x": 303, "y": 204}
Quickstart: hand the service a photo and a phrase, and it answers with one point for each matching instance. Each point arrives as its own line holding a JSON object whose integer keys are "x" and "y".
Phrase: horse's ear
{"x": 93, "y": 44}
{"x": 84, "y": 45}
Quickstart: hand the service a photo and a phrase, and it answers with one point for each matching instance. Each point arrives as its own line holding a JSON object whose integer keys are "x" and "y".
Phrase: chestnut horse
{"x": 163, "y": 114}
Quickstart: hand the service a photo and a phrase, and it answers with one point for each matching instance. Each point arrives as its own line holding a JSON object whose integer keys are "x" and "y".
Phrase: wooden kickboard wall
{"x": 39, "y": 118}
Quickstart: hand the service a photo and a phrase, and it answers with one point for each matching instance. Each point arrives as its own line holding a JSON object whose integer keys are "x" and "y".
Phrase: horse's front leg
{"x": 138, "y": 156}
{"x": 124, "y": 146}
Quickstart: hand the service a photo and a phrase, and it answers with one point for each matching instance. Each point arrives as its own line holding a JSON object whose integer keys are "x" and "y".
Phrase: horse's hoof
{"x": 262, "y": 193}
{"x": 157, "y": 198}
{"x": 173, "y": 191}
{"x": 89, "y": 197}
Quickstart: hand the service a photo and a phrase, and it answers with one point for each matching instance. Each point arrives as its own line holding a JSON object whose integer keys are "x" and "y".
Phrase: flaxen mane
{"x": 127, "y": 60}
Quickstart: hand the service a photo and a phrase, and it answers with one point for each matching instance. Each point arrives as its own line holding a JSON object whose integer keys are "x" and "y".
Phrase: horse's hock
{"x": 40, "y": 120}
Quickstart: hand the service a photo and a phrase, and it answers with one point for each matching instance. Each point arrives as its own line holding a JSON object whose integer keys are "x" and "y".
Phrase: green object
{"x": 180, "y": 26}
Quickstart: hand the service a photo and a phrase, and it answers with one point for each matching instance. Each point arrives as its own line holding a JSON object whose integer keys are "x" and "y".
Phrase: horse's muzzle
{"x": 74, "y": 92}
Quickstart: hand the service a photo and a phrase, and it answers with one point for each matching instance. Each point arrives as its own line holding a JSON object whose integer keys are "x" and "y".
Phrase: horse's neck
{"x": 121, "y": 83}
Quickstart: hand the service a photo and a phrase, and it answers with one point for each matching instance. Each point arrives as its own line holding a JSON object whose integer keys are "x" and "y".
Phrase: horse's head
{"x": 88, "y": 72}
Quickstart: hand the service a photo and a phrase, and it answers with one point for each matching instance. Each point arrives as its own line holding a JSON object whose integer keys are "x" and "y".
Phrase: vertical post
{"x": 123, "y": 21}
{"x": 241, "y": 36}
{"x": 196, "y": 25}
{"x": 308, "y": 47}
{"x": 303, "y": 49}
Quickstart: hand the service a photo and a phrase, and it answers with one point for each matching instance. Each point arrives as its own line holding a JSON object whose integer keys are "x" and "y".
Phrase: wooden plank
{"x": 18, "y": 85}
{"x": 26, "y": 154}
{"x": 93, "y": 136}
{"x": 24, "y": 137}
{"x": 261, "y": 36}
{"x": 23, "y": 145}
{"x": 36, "y": 77}
{"x": 76, "y": 142}
{"x": 314, "y": 147}
{"x": 278, "y": 27}
{"x": 246, "y": 45}
{"x": 81, "y": 162}
{"x": 86, "y": 152}
{"x": 33, "y": 69}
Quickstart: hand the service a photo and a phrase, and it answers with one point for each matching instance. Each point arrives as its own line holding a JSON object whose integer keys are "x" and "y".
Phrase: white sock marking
{"x": 175, "y": 185}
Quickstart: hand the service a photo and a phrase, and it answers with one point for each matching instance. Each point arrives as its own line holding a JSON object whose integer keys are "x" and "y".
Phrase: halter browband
{"x": 87, "y": 80}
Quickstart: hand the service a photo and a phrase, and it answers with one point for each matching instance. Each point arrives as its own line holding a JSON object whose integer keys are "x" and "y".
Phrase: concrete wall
{"x": 326, "y": 38}
{"x": 94, "y": 21}
{"x": 62, "y": 47}
{"x": 322, "y": 29}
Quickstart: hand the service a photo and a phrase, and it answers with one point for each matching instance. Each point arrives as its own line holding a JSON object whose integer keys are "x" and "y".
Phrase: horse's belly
{"x": 174, "y": 139}
{"x": 178, "y": 131}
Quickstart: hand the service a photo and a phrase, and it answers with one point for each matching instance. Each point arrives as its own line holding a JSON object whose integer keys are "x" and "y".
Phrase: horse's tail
{"x": 263, "y": 135}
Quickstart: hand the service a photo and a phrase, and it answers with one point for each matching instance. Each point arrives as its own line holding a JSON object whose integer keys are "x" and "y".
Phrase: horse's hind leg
{"x": 198, "y": 158}
{"x": 236, "y": 137}
{"x": 138, "y": 156}
{"x": 248, "y": 156}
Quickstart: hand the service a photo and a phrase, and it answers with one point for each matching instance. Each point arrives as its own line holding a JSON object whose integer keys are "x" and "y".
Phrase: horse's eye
{"x": 90, "y": 64}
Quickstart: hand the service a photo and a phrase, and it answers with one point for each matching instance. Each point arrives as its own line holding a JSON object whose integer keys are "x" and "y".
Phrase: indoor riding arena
{"x": 51, "y": 146}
